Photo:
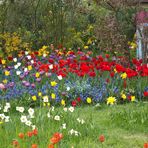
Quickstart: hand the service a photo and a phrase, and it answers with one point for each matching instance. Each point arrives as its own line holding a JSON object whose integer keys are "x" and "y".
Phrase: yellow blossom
{"x": 111, "y": 100}
{"x": 29, "y": 67}
{"x": 124, "y": 76}
{"x": 115, "y": 70}
{"x": 39, "y": 94}
{"x": 89, "y": 41}
{"x": 53, "y": 96}
{"x": 34, "y": 98}
{"x": 133, "y": 98}
{"x": 7, "y": 73}
{"x": 5, "y": 81}
{"x": 123, "y": 96}
{"x": 89, "y": 100}
{"x": 53, "y": 83}
{"x": 85, "y": 47}
{"x": 3, "y": 61}
{"x": 63, "y": 102}
{"x": 37, "y": 75}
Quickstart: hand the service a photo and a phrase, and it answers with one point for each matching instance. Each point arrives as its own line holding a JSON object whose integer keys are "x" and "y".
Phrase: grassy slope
{"x": 124, "y": 126}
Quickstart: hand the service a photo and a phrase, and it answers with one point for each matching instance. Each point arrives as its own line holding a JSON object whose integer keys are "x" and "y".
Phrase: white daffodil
{"x": 15, "y": 59}
{"x": 18, "y": 73}
{"x": 78, "y": 120}
{"x": 76, "y": 133}
{"x": 71, "y": 109}
{"x": 2, "y": 116}
{"x": 16, "y": 66}
{"x": 26, "y": 52}
{"x": 5, "y": 110}
{"x": 7, "y": 118}
{"x": 71, "y": 131}
{"x": 28, "y": 123}
{"x": 23, "y": 119}
{"x": 48, "y": 115}
{"x": 52, "y": 108}
{"x": 45, "y": 99}
{"x": 8, "y": 104}
{"x": 82, "y": 121}
{"x": 33, "y": 127}
{"x": 68, "y": 88}
{"x": 20, "y": 109}
{"x": 31, "y": 111}
{"x": 64, "y": 126}
{"x": 19, "y": 64}
{"x": 57, "y": 118}
{"x": 65, "y": 109}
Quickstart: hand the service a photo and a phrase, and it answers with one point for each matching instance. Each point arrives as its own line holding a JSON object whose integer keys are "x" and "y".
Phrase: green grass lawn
{"x": 124, "y": 126}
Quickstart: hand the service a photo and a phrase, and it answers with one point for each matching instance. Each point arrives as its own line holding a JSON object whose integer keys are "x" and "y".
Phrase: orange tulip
{"x": 21, "y": 135}
{"x": 34, "y": 146}
{"x": 50, "y": 146}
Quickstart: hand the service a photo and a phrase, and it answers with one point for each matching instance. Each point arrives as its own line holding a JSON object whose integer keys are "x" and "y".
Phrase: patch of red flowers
{"x": 56, "y": 138}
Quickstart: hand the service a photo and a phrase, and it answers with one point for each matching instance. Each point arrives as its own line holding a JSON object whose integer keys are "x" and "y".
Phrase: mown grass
{"x": 124, "y": 126}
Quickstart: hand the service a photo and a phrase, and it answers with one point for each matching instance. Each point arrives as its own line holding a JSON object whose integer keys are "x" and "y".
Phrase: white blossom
{"x": 59, "y": 77}
{"x": 23, "y": 119}
{"x": 45, "y": 99}
{"x": 28, "y": 123}
{"x": 71, "y": 109}
{"x": 20, "y": 109}
{"x": 51, "y": 66}
{"x": 57, "y": 118}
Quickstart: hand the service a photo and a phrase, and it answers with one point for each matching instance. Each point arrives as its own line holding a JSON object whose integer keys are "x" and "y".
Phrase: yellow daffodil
{"x": 34, "y": 98}
{"x": 29, "y": 67}
{"x": 53, "y": 96}
{"x": 3, "y": 61}
{"x": 85, "y": 47}
{"x": 89, "y": 100}
{"x": 39, "y": 94}
{"x": 123, "y": 96}
{"x": 46, "y": 104}
{"x": 37, "y": 75}
{"x": 63, "y": 102}
{"x": 89, "y": 42}
{"x": 53, "y": 83}
{"x": 111, "y": 100}
{"x": 7, "y": 73}
{"x": 133, "y": 98}
{"x": 5, "y": 81}
{"x": 124, "y": 76}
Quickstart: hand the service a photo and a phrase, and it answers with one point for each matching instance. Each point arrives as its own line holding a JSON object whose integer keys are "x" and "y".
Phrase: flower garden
{"x": 69, "y": 75}
{"x": 41, "y": 86}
